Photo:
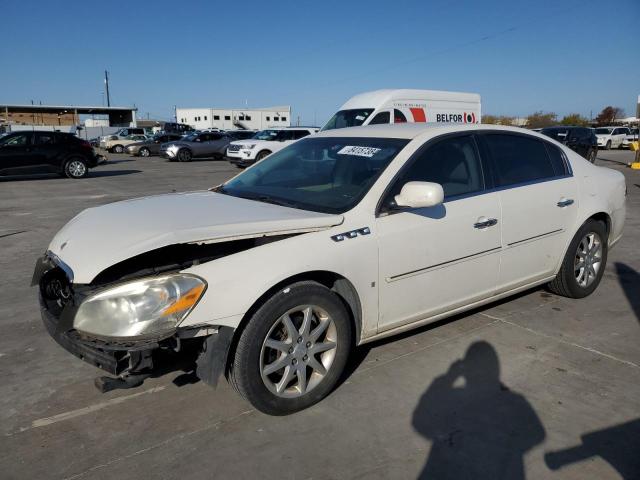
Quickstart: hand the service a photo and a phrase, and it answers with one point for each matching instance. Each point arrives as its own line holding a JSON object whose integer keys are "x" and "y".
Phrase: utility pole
{"x": 106, "y": 87}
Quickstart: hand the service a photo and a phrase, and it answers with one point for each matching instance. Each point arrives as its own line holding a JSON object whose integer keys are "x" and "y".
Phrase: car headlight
{"x": 248, "y": 147}
{"x": 152, "y": 306}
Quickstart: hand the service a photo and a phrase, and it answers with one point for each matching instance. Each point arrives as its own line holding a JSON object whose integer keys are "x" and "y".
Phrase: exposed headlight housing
{"x": 143, "y": 308}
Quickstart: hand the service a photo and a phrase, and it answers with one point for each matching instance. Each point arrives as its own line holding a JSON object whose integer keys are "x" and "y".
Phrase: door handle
{"x": 565, "y": 202}
{"x": 484, "y": 222}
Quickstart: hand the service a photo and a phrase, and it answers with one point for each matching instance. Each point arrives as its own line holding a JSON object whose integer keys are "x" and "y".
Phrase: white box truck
{"x": 407, "y": 106}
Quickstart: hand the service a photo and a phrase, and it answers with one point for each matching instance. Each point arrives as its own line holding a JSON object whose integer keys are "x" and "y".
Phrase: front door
{"x": 16, "y": 154}
{"x": 435, "y": 259}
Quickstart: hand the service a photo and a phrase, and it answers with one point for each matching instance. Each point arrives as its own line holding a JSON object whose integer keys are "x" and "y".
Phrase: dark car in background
{"x": 581, "y": 140}
{"x": 28, "y": 152}
{"x": 202, "y": 145}
{"x": 151, "y": 146}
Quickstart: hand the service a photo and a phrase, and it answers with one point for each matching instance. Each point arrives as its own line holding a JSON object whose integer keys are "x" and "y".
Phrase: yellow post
{"x": 635, "y": 147}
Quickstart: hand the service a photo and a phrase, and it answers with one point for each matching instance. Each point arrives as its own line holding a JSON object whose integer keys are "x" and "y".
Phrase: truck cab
{"x": 406, "y": 106}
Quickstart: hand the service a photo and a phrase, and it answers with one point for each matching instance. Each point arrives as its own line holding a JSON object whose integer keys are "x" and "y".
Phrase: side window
{"x": 300, "y": 134}
{"x": 215, "y": 136}
{"x": 398, "y": 116}
{"x": 17, "y": 140}
{"x": 453, "y": 163}
{"x": 557, "y": 160}
{"x": 45, "y": 139}
{"x": 518, "y": 159}
{"x": 381, "y": 118}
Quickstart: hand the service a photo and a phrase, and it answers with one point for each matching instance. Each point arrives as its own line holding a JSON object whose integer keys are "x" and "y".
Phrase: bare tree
{"x": 608, "y": 115}
{"x": 541, "y": 119}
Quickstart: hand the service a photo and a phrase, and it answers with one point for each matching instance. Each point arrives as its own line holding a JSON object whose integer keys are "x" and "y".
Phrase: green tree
{"x": 608, "y": 115}
{"x": 574, "y": 119}
{"x": 498, "y": 120}
{"x": 541, "y": 119}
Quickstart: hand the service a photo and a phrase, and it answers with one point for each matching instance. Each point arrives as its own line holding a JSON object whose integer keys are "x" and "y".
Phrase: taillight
{"x": 85, "y": 144}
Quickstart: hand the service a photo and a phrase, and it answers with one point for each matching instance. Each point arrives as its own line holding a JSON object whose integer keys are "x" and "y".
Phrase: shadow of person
{"x": 630, "y": 282}
{"x": 618, "y": 445}
{"x": 479, "y": 429}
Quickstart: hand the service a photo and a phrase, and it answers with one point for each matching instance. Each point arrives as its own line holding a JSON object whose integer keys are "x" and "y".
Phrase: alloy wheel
{"x": 588, "y": 259}
{"x": 144, "y": 152}
{"x": 298, "y": 351}
{"x": 76, "y": 168}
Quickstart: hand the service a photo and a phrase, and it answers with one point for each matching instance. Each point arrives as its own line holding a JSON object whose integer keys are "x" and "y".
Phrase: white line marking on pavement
{"x": 577, "y": 345}
{"x": 160, "y": 444}
{"x": 43, "y": 422}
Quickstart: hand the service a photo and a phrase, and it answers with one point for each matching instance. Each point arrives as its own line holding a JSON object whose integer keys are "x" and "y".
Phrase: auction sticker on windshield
{"x": 358, "y": 151}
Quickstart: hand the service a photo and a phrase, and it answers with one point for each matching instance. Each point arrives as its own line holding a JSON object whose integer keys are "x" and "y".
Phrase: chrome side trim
{"x": 535, "y": 237}
{"x": 437, "y": 265}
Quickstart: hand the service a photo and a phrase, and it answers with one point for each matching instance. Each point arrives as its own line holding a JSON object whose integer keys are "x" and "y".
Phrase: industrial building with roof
{"x": 226, "y": 119}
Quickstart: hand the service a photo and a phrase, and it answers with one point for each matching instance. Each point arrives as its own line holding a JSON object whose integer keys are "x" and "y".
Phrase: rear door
{"x": 16, "y": 153}
{"x": 539, "y": 202}
{"x": 47, "y": 151}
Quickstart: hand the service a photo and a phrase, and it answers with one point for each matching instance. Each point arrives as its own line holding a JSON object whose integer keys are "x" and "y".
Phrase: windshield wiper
{"x": 274, "y": 201}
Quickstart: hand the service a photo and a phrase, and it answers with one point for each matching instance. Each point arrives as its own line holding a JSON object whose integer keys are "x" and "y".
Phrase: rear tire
{"x": 584, "y": 263}
{"x": 144, "y": 152}
{"x": 75, "y": 168}
{"x": 592, "y": 154}
{"x": 118, "y": 149}
{"x": 280, "y": 366}
{"x": 184, "y": 155}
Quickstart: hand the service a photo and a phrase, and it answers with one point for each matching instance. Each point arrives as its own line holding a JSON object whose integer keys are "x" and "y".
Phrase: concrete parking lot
{"x": 564, "y": 375}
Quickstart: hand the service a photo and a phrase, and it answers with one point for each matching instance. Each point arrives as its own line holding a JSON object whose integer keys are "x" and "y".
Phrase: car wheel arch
{"x": 338, "y": 284}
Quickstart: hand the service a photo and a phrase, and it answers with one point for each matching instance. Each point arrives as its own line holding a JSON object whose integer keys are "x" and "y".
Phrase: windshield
{"x": 603, "y": 131}
{"x": 329, "y": 175}
{"x": 266, "y": 135}
{"x": 348, "y": 118}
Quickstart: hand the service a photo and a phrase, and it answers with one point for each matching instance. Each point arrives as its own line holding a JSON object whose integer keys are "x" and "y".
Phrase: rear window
{"x": 518, "y": 159}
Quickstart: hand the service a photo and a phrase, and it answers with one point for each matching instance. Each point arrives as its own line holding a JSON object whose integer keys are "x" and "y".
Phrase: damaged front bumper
{"x": 131, "y": 361}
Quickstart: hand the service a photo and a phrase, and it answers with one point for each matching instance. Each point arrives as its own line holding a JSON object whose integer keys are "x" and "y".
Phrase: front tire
{"x": 608, "y": 145}
{"x": 592, "y": 154}
{"x": 118, "y": 149}
{"x": 293, "y": 350}
{"x": 75, "y": 168}
{"x": 584, "y": 262}
{"x": 184, "y": 155}
{"x": 262, "y": 154}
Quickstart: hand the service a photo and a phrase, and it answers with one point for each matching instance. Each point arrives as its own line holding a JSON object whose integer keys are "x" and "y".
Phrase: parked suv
{"x": 611, "y": 137}
{"x": 122, "y": 133}
{"x": 198, "y": 145}
{"x": 579, "y": 139}
{"x": 116, "y": 144}
{"x": 246, "y": 152}
{"x": 46, "y": 152}
{"x": 151, "y": 146}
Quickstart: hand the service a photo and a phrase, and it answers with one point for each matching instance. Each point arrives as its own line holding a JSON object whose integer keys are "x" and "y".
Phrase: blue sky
{"x": 521, "y": 56}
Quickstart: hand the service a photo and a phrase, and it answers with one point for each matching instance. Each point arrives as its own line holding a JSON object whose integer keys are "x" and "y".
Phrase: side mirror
{"x": 420, "y": 195}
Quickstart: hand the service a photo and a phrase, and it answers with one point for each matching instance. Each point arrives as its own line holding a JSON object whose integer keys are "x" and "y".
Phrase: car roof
{"x": 413, "y": 130}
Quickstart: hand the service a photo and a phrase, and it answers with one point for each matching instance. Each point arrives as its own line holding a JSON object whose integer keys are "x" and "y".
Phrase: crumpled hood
{"x": 102, "y": 236}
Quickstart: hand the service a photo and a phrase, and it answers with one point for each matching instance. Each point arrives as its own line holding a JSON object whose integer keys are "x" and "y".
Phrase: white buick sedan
{"x": 344, "y": 237}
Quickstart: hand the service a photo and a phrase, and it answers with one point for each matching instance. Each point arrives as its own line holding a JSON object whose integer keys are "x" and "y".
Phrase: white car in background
{"x": 243, "y": 153}
{"x": 631, "y": 137}
{"x": 342, "y": 238}
{"x": 611, "y": 137}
